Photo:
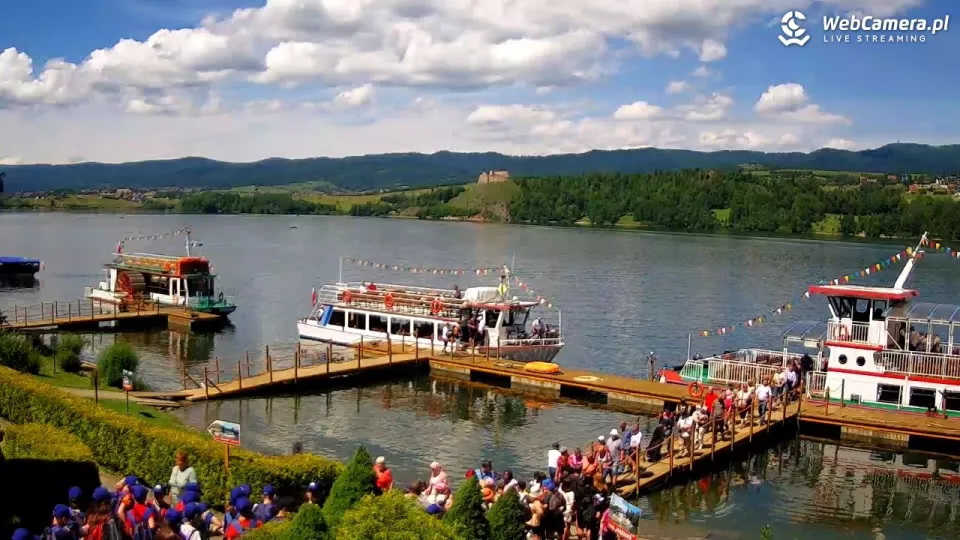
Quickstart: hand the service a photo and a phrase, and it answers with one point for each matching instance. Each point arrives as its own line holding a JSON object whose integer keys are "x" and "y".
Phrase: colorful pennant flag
{"x": 178, "y": 232}
{"x": 543, "y": 301}
{"x": 756, "y": 321}
{"x": 937, "y": 246}
{"x": 425, "y": 270}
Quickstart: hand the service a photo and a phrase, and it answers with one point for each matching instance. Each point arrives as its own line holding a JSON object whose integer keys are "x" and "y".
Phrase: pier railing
{"x": 919, "y": 363}
{"x": 725, "y": 371}
{"x": 75, "y": 310}
{"x": 816, "y": 383}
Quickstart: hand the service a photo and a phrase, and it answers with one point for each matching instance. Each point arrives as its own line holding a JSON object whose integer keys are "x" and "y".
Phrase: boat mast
{"x": 911, "y": 262}
{"x": 187, "y": 235}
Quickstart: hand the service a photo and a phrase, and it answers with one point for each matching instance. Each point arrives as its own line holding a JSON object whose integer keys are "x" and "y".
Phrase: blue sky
{"x": 241, "y": 80}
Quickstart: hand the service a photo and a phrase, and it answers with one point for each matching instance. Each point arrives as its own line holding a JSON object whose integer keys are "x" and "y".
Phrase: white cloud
{"x": 708, "y": 109}
{"x": 677, "y": 87}
{"x": 508, "y": 114}
{"x": 711, "y": 51}
{"x": 790, "y": 102}
{"x": 730, "y": 138}
{"x": 355, "y": 97}
{"x": 701, "y": 71}
{"x": 840, "y": 144}
{"x": 638, "y": 110}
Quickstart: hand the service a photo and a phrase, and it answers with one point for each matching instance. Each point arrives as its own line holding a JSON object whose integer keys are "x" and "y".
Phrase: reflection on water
{"x": 802, "y": 488}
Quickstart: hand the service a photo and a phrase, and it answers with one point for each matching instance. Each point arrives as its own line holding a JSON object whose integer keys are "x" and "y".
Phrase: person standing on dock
{"x": 181, "y": 475}
{"x": 553, "y": 457}
{"x": 763, "y": 397}
{"x": 651, "y": 366}
{"x": 384, "y": 475}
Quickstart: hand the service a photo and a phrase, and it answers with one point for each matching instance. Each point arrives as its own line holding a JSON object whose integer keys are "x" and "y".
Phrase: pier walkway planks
{"x": 87, "y": 312}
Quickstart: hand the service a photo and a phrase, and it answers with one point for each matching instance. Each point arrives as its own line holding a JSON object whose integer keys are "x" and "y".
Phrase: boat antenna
{"x": 911, "y": 262}
{"x": 187, "y": 236}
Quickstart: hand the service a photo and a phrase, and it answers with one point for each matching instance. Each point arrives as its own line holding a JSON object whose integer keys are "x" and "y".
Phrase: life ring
{"x": 436, "y": 306}
{"x": 347, "y": 296}
{"x": 388, "y": 300}
{"x": 220, "y": 298}
{"x": 695, "y": 390}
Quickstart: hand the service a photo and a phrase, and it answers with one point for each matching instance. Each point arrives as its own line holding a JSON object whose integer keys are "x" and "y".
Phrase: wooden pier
{"x": 86, "y": 313}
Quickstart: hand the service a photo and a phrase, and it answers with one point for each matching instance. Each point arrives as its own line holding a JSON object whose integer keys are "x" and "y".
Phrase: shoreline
{"x": 631, "y": 227}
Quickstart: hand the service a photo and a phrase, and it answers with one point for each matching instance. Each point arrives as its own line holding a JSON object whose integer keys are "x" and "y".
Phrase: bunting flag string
{"x": 178, "y": 232}
{"x": 543, "y": 300}
{"x": 937, "y": 246}
{"x": 756, "y": 321}
{"x": 425, "y": 270}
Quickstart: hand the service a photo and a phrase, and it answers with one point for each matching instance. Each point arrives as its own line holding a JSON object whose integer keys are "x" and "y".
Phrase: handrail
{"x": 79, "y": 309}
{"x": 919, "y": 363}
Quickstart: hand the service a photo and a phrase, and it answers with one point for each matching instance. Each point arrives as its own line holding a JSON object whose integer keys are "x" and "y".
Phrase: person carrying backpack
{"x": 192, "y": 514}
{"x": 265, "y": 510}
{"x": 160, "y": 504}
{"x": 244, "y": 522}
{"x": 140, "y": 521}
{"x": 100, "y": 523}
{"x": 60, "y": 529}
{"x": 556, "y": 506}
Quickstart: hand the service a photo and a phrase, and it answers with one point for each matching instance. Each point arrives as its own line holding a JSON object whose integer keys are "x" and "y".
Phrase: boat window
{"x": 842, "y": 359}
{"x": 861, "y": 361}
{"x": 879, "y": 306}
{"x": 889, "y": 393}
{"x": 357, "y": 320}
{"x": 378, "y": 323}
{"x": 199, "y": 287}
{"x": 951, "y": 400}
{"x": 158, "y": 284}
{"x": 423, "y": 329}
{"x": 923, "y": 397}
{"x": 337, "y": 318}
{"x": 399, "y": 326}
{"x": 861, "y": 313}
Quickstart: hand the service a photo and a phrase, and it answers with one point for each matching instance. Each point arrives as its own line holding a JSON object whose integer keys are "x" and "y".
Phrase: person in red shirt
{"x": 140, "y": 512}
{"x": 244, "y": 522}
{"x": 384, "y": 475}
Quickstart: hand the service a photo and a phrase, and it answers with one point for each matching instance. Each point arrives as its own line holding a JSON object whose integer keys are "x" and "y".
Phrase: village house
{"x": 492, "y": 177}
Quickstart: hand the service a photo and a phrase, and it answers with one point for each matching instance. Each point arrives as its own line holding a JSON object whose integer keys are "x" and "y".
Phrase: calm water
{"x": 623, "y": 294}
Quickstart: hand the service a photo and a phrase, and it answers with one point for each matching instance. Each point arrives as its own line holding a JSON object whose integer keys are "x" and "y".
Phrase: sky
{"x": 244, "y": 80}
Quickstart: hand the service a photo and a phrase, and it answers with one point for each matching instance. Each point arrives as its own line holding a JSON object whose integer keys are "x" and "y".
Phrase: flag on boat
{"x": 313, "y": 296}
{"x": 119, "y": 247}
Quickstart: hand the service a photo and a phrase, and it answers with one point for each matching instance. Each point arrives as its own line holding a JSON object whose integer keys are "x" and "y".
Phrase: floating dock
{"x": 86, "y": 313}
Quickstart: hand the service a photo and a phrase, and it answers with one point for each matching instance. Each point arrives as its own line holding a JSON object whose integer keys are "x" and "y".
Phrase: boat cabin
{"x": 859, "y": 314}
{"x": 163, "y": 278}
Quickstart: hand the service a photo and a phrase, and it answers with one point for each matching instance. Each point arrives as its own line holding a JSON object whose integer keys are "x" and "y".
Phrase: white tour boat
{"x": 164, "y": 279}
{"x": 879, "y": 348}
{"x": 345, "y": 313}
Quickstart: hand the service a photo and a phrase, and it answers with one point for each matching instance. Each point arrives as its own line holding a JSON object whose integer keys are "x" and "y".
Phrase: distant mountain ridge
{"x": 388, "y": 171}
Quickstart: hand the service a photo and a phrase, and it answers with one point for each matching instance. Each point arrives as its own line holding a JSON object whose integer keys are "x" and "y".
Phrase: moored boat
{"x": 880, "y": 348}
{"x": 345, "y": 313}
{"x": 165, "y": 279}
{"x": 18, "y": 267}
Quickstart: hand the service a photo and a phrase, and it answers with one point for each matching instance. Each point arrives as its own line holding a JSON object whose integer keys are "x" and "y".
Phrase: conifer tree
{"x": 356, "y": 480}
{"x": 466, "y": 514}
{"x": 507, "y": 517}
{"x": 308, "y": 524}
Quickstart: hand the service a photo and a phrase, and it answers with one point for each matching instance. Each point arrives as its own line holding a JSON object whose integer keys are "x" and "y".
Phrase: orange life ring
{"x": 841, "y": 333}
{"x": 347, "y": 296}
{"x": 436, "y": 306}
{"x": 388, "y": 300}
{"x": 695, "y": 390}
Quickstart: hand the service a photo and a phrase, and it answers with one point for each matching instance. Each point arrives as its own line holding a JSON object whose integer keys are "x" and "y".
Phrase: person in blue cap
{"x": 434, "y": 509}
{"x": 60, "y": 529}
{"x": 264, "y": 510}
{"x": 186, "y": 497}
{"x": 230, "y": 512}
{"x": 73, "y": 499}
{"x": 160, "y": 504}
{"x": 192, "y": 517}
{"x": 24, "y": 534}
{"x": 139, "y": 520}
{"x": 209, "y": 524}
{"x": 311, "y": 496}
{"x": 244, "y": 522}
{"x": 100, "y": 523}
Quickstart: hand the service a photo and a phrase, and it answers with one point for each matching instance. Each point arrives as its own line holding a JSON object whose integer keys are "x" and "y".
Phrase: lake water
{"x": 622, "y": 293}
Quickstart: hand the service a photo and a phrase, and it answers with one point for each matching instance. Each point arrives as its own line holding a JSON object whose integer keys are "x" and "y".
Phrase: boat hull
{"x": 11, "y": 267}
{"x": 520, "y": 353}
{"x": 110, "y": 300}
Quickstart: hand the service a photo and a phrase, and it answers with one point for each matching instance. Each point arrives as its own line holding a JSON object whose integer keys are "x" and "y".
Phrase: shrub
{"x": 356, "y": 481}
{"x": 16, "y": 352}
{"x": 114, "y": 360}
{"x": 766, "y": 533}
{"x": 507, "y": 517}
{"x": 392, "y": 516}
{"x": 466, "y": 514}
{"x": 273, "y": 530}
{"x": 68, "y": 352}
{"x": 40, "y": 441}
{"x": 124, "y": 443}
{"x": 308, "y": 524}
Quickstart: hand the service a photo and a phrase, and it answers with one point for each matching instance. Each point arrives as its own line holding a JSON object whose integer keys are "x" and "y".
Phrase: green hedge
{"x": 41, "y": 441}
{"x": 127, "y": 445}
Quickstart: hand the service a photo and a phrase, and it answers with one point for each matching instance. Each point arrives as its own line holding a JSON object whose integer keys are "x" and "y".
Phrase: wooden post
{"x": 798, "y": 411}
{"x": 416, "y": 349}
{"x": 389, "y": 349}
{"x": 78, "y": 307}
{"x": 16, "y": 313}
{"x": 360, "y": 348}
{"x": 826, "y": 405}
{"x": 296, "y": 365}
{"x": 53, "y": 312}
{"x": 206, "y": 385}
{"x": 91, "y": 309}
{"x": 240, "y": 374}
{"x": 842, "y": 392}
{"x": 673, "y": 434}
{"x": 329, "y": 354}
{"x": 246, "y": 355}
{"x": 96, "y": 386}
{"x": 751, "y": 423}
{"x": 473, "y": 353}
{"x": 433, "y": 351}
{"x": 713, "y": 445}
{"x": 268, "y": 362}
{"x": 217, "y": 360}
{"x": 69, "y": 311}
{"x": 784, "y": 419}
{"x": 226, "y": 457}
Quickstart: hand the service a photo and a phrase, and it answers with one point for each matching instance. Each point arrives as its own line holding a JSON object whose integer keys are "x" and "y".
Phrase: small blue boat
{"x": 11, "y": 267}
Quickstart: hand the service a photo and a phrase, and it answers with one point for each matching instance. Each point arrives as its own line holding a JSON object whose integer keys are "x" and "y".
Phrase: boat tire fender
{"x": 695, "y": 390}
{"x": 220, "y": 297}
{"x": 388, "y": 301}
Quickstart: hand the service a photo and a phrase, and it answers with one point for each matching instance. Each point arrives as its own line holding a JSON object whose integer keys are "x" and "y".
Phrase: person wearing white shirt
{"x": 763, "y": 398}
{"x": 685, "y": 428}
{"x": 553, "y": 456}
{"x": 445, "y": 336}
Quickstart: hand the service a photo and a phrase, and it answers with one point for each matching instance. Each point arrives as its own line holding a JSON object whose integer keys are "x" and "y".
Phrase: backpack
{"x": 263, "y": 512}
{"x": 557, "y": 504}
{"x": 139, "y": 530}
{"x": 237, "y": 526}
{"x": 55, "y": 532}
{"x": 108, "y": 530}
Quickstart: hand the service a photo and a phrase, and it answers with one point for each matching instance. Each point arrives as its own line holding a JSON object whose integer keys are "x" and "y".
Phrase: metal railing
{"x": 853, "y": 332}
{"x": 816, "y": 383}
{"x": 692, "y": 369}
{"x": 768, "y": 357}
{"x": 919, "y": 363}
{"x": 75, "y": 310}
{"x": 726, "y": 371}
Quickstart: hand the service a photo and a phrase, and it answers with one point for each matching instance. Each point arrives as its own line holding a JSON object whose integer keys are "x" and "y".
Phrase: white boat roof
{"x": 483, "y": 297}
{"x": 860, "y": 291}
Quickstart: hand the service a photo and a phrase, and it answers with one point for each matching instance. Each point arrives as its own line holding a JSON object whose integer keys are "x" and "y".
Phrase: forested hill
{"x": 387, "y": 171}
